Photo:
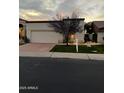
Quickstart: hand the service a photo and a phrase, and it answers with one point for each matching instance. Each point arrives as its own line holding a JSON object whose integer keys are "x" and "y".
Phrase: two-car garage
{"x": 41, "y": 32}
{"x": 48, "y": 36}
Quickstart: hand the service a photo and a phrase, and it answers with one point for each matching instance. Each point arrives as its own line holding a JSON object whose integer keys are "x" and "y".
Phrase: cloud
{"x": 30, "y": 4}
{"x": 33, "y": 15}
{"x": 46, "y": 9}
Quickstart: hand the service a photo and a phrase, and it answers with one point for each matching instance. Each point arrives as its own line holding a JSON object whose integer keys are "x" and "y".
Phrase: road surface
{"x": 55, "y": 75}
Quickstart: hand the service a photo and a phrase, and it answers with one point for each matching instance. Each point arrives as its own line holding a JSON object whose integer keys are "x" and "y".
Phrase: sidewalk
{"x": 88, "y": 43}
{"x": 84, "y": 56}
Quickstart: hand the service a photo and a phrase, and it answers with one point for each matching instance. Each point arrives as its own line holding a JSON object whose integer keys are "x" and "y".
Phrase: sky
{"x": 91, "y": 10}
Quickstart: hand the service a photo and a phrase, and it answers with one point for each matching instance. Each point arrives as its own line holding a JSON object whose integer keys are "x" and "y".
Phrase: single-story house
{"x": 42, "y": 32}
{"x": 22, "y": 30}
{"x": 22, "y": 21}
{"x": 98, "y": 27}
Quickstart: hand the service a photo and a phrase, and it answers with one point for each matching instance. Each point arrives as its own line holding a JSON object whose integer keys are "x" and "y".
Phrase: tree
{"x": 89, "y": 30}
{"x": 89, "y": 27}
{"x": 66, "y": 25}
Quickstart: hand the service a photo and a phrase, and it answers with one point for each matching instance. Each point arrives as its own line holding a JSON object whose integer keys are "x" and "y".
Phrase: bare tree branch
{"x": 66, "y": 25}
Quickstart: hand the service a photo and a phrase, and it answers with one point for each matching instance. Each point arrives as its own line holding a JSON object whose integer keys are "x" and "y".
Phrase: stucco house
{"x": 98, "y": 27}
{"x": 42, "y": 32}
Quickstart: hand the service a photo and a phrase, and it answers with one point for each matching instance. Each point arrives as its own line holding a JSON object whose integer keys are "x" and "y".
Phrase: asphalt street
{"x": 55, "y": 75}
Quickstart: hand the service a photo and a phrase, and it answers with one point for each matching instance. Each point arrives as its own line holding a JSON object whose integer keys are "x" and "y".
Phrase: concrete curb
{"x": 35, "y": 54}
{"x": 84, "y": 56}
{"x": 70, "y": 55}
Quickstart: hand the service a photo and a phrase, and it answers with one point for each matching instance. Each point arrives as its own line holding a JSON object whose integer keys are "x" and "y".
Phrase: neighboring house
{"x": 42, "y": 32}
{"x": 22, "y": 30}
{"x": 98, "y": 27}
{"x": 22, "y": 21}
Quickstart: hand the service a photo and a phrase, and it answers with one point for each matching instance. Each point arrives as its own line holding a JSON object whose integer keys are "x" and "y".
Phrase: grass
{"x": 97, "y": 49}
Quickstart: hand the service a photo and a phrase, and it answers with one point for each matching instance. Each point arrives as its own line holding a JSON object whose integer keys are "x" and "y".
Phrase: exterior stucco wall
{"x": 100, "y": 37}
{"x": 80, "y": 36}
{"x": 82, "y": 25}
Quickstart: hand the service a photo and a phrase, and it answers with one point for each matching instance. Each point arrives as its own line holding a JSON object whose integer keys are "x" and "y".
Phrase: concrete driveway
{"x": 36, "y": 47}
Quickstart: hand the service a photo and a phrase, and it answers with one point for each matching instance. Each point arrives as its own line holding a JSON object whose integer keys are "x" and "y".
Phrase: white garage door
{"x": 45, "y": 37}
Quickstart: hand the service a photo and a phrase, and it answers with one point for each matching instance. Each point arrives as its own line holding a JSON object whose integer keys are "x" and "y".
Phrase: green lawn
{"x": 98, "y": 49}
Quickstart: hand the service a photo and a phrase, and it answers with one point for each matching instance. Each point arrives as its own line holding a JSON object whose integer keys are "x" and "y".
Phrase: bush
{"x": 27, "y": 40}
{"x": 86, "y": 38}
{"x": 94, "y": 39}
